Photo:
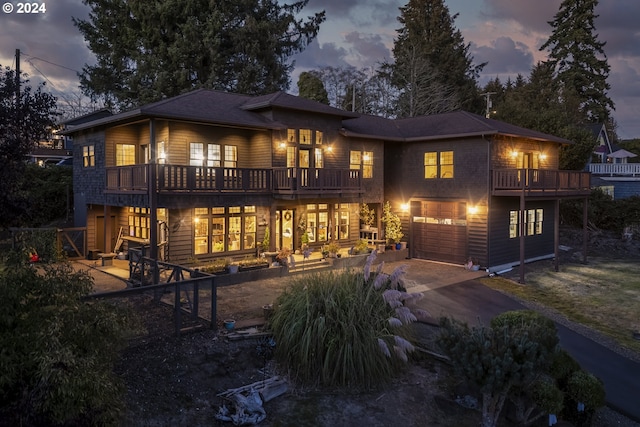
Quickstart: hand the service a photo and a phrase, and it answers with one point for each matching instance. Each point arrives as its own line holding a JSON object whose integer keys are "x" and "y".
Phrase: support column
{"x": 153, "y": 202}
{"x": 585, "y": 231}
{"x": 523, "y": 232}
{"x": 556, "y": 234}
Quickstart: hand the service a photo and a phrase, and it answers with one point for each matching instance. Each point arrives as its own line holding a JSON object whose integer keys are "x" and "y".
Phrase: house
{"x": 610, "y": 170}
{"x": 209, "y": 174}
{"x": 474, "y": 188}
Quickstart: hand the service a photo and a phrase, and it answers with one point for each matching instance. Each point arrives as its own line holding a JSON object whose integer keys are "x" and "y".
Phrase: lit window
{"x": 291, "y": 135}
{"x": 125, "y": 154}
{"x": 305, "y": 136}
{"x": 319, "y": 160}
{"x": 230, "y": 156}
{"x": 88, "y": 156}
{"x": 367, "y": 164}
{"x": 355, "y": 160}
{"x": 138, "y": 222}
{"x": 319, "y": 136}
{"x": 431, "y": 165}
{"x": 438, "y": 165}
{"x": 446, "y": 164}
{"x": 533, "y": 222}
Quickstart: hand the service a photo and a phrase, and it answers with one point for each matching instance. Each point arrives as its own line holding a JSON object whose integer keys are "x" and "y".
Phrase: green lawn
{"x": 604, "y": 295}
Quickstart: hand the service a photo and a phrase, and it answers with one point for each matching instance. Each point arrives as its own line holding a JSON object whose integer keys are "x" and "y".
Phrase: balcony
{"x": 540, "y": 183}
{"x": 615, "y": 169}
{"x": 179, "y": 179}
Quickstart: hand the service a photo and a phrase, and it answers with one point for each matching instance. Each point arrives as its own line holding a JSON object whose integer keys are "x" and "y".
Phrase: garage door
{"x": 439, "y": 231}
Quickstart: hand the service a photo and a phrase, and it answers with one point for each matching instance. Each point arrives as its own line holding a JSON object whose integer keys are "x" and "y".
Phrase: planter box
{"x": 253, "y": 267}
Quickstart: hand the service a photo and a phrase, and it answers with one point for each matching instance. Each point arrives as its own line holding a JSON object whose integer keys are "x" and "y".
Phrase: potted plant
{"x": 472, "y": 264}
{"x": 266, "y": 240}
{"x": 392, "y": 225}
{"x": 361, "y": 247}
{"x": 333, "y": 248}
{"x": 283, "y": 256}
{"x": 367, "y": 216}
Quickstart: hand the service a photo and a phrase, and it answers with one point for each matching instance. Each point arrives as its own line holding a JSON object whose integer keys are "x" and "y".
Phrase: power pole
{"x": 487, "y": 96}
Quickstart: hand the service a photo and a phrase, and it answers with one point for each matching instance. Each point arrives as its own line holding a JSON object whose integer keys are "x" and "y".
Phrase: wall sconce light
{"x": 282, "y": 145}
{"x": 366, "y": 158}
{"x": 514, "y": 153}
{"x": 329, "y": 149}
{"x": 404, "y": 207}
{"x": 472, "y": 210}
{"x": 543, "y": 156}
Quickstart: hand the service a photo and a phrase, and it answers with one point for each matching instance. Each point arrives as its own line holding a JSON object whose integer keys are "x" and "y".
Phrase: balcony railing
{"x": 313, "y": 180}
{"x": 192, "y": 179}
{"x": 615, "y": 169}
{"x": 540, "y": 182}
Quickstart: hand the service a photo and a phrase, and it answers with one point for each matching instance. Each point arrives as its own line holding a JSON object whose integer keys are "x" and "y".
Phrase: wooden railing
{"x": 615, "y": 169}
{"x": 540, "y": 182}
{"x": 181, "y": 179}
{"x": 308, "y": 179}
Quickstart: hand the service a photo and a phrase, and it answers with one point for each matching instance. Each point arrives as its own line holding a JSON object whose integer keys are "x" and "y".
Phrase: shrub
{"x": 57, "y": 351}
{"x": 501, "y": 360}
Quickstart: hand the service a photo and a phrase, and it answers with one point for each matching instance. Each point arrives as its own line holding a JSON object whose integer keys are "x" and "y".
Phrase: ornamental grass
{"x": 338, "y": 328}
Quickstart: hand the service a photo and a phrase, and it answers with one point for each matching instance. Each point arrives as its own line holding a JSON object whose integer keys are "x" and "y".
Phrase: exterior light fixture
{"x": 543, "y": 156}
{"x": 404, "y": 207}
{"x": 282, "y": 145}
{"x": 514, "y": 153}
{"x": 330, "y": 149}
{"x": 472, "y": 210}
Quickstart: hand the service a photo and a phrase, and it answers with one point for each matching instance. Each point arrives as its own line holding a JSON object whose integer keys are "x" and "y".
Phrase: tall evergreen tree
{"x": 432, "y": 58}
{"x": 147, "y": 51}
{"x": 310, "y": 86}
{"x": 23, "y": 123}
{"x": 579, "y": 60}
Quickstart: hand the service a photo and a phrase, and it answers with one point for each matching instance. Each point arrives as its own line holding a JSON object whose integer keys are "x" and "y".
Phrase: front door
{"x": 285, "y": 229}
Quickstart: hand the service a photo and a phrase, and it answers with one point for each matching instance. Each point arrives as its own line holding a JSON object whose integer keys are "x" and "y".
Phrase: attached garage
{"x": 439, "y": 231}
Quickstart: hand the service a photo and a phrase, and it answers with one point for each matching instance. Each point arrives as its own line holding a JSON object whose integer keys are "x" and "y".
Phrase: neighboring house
{"x": 609, "y": 167}
{"x": 207, "y": 173}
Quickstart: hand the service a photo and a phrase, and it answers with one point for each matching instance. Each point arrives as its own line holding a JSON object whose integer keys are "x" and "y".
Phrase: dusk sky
{"x": 505, "y": 33}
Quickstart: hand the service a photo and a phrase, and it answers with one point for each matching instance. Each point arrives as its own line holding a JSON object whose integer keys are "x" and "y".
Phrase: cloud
{"x": 532, "y": 15}
{"x": 366, "y": 49}
{"x": 503, "y": 57}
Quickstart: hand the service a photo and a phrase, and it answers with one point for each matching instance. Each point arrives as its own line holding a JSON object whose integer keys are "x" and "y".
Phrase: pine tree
{"x": 431, "y": 58}
{"x": 579, "y": 60}
{"x": 147, "y": 51}
{"x": 311, "y": 87}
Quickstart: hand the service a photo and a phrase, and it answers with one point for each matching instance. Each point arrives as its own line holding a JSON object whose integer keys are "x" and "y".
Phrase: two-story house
{"x": 207, "y": 174}
{"x": 474, "y": 188}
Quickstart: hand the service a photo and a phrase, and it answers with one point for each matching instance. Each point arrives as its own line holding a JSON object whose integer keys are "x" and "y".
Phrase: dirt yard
{"x": 176, "y": 381}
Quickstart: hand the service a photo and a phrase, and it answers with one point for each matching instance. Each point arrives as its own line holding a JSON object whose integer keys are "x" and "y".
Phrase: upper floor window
{"x": 201, "y": 154}
{"x": 319, "y": 136}
{"x": 88, "y": 156}
{"x": 230, "y": 156}
{"x": 362, "y": 159}
{"x": 305, "y": 136}
{"x": 438, "y": 164}
{"x": 125, "y": 154}
{"x": 291, "y": 135}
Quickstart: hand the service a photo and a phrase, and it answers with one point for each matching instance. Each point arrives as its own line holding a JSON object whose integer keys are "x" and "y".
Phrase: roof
{"x": 231, "y": 109}
{"x": 454, "y": 124}
{"x": 286, "y": 101}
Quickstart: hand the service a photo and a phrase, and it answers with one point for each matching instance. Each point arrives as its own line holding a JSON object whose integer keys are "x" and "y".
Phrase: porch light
{"x": 543, "y": 156}
{"x": 282, "y": 145}
{"x": 472, "y": 210}
{"x": 514, "y": 153}
{"x": 404, "y": 207}
{"x": 366, "y": 158}
{"x": 329, "y": 149}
